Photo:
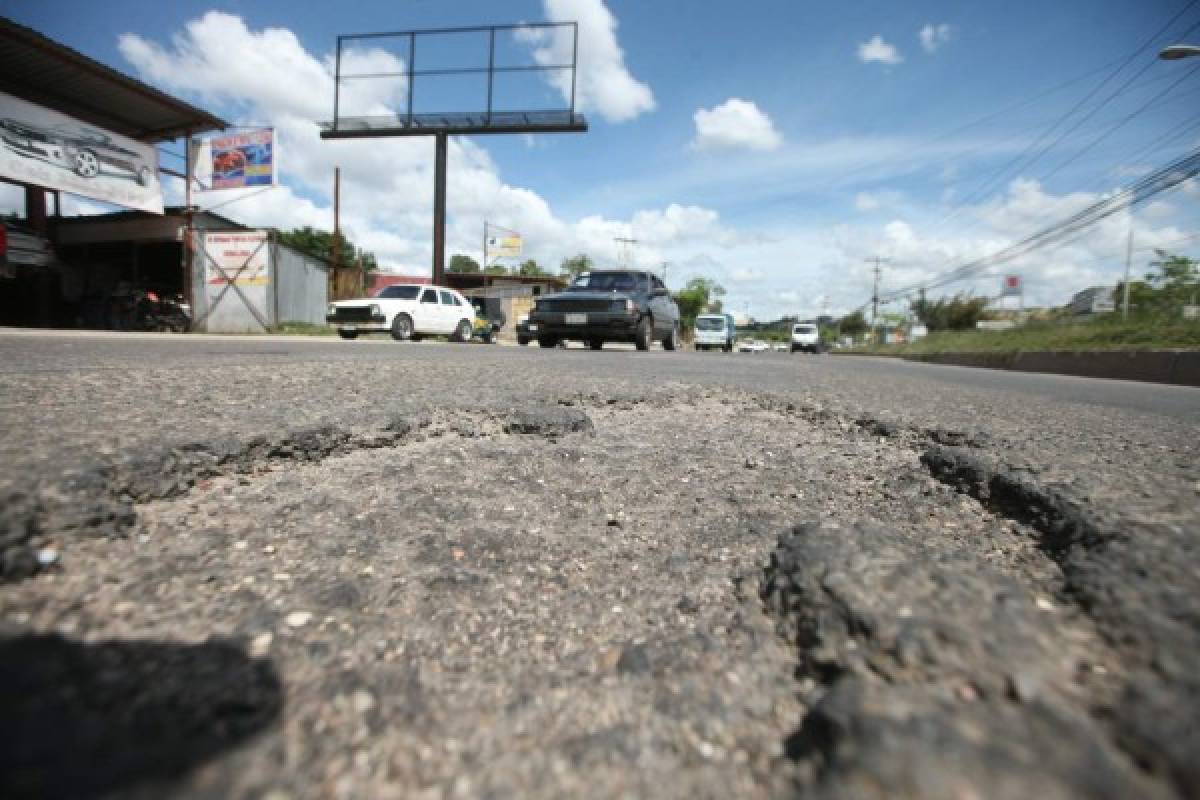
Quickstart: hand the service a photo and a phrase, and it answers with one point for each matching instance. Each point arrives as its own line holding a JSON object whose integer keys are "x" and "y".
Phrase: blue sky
{"x": 770, "y": 145}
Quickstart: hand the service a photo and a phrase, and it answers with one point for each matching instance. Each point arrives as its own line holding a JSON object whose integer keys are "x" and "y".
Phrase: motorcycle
{"x": 138, "y": 310}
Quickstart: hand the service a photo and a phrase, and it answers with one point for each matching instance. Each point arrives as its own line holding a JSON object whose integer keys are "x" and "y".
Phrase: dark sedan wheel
{"x": 672, "y": 340}
{"x": 348, "y": 334}
{"x": 547, "y": 341}
{"x": 596, "y": 344}
{"x": 402, "y": 327}
{"x": 644, "y": 334}
{"x": 522, "y": 340}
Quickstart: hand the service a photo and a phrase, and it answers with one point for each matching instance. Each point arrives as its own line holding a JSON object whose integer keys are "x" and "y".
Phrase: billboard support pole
{"x": 439, "y": 210}
{"x": 188, "y": 168}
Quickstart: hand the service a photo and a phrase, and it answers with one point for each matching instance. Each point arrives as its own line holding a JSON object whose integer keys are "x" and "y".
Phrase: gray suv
{"x": 608, "y": 306}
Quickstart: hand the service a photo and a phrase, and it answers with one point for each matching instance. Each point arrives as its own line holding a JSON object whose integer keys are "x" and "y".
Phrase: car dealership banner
{"x": 44, "y": 148}
{"x": 236, "y": 161}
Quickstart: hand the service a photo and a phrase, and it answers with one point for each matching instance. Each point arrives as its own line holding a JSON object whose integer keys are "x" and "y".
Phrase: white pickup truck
{"x": 406, "y": 311}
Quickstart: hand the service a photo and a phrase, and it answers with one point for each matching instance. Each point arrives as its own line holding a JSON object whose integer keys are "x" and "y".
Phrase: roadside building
{"x": 69, "y": 124}
{"x": 1093, "y": 300}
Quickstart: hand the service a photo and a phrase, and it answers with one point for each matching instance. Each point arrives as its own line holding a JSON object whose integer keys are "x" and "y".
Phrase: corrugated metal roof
{"x": 53, "y": 75}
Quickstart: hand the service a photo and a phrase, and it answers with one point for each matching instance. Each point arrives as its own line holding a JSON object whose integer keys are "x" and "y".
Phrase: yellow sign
{"x": 504, "y": 246}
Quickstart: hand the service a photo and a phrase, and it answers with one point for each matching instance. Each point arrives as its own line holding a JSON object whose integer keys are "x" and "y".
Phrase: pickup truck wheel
{"x": 672, "y": 340}
{"x": 463, "y": 334}
{"x": 547, "y": 341}
{"x": 402, "y": 327}
{"x": 596, "y": 344}
{"x": 348, "y": 334}
{"x": 644, "y": 334}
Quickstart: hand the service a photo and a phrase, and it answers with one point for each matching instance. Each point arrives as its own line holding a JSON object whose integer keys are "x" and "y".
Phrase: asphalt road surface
{"x": 290, "y": 568}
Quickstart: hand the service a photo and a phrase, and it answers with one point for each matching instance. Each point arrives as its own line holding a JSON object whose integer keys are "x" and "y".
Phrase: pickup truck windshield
{"x": 710, "y": 324}
{"x": 605, "y": 282}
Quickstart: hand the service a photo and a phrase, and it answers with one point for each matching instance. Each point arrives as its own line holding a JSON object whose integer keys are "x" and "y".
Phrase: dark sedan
{"x": 608, "y": 306}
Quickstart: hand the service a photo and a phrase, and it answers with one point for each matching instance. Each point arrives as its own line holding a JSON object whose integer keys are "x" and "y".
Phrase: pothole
{"x": 565, "y": 613}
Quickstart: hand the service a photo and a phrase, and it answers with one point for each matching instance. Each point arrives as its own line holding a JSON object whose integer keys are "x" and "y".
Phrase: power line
{"x": 1160, "y": 180}
{"x": 1022, "y": 162}
{"x": 1120, "y": 124}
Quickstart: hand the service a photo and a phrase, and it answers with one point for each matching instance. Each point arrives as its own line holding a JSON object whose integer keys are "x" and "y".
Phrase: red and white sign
{"x": 1012, "y": 285}
{"x": 236, "y": 257}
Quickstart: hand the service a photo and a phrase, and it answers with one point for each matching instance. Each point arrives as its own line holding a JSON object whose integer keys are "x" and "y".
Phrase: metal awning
{"x": 42, "y": 71}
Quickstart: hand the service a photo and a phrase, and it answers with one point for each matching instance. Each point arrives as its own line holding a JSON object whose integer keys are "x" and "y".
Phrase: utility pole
{"x": 875, "y": 292}
{"x": 335, "y": 249}
{"x": 665, "y": 266}
{"x": 1128, "y": 259}
{"x": 624, "y": 249}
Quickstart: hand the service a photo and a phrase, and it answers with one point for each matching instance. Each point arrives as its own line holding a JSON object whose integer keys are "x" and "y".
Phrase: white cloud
{"x": 864, "y": 201}
{"x": 878, "y": 50}
{"x": 934, "y": 36}
{"x": 736, "y": 123}
{"x": 604, "y": 83}
{"x": 874, "y": 201}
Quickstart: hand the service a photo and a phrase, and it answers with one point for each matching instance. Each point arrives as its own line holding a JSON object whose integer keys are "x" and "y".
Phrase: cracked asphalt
{"x": 290, "y": 568}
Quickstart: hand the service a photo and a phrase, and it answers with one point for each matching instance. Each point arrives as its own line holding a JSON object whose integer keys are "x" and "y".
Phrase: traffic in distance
{"x": 619, "y": 305}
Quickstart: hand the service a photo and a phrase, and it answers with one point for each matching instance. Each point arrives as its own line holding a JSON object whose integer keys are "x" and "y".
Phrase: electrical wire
{"x": 1160, "y": 180}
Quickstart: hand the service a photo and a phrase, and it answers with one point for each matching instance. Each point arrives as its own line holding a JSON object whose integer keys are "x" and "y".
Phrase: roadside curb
{"x": 1178, "y": 367}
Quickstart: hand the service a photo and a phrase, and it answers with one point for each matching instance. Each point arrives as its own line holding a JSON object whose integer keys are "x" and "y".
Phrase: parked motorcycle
{"x": 138, "y": 310}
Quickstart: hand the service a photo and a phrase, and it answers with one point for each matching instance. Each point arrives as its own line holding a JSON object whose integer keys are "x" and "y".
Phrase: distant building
{"x": 1095, "y": 300}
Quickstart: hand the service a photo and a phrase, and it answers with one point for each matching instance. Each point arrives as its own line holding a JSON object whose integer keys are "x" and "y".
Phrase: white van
{"x": 806, "y": 337}
{"x": 714, "y": 332}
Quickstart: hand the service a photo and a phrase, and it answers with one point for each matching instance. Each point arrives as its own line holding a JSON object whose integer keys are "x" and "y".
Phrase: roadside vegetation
{"x": 1156, "y": 320}
{"x": 1105, "y": 332}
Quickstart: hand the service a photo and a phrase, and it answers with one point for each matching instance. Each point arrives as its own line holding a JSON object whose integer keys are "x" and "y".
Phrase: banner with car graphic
{"x": 236, "y": 161}
{"x": 52, "y": 150}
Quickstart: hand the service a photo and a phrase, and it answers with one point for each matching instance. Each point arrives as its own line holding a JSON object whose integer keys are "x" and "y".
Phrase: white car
{"x": 406, "y": 311}
{"x": 780, "y": 347}
{"x": 806, "y": 337}
{"x": 753, "y": 346}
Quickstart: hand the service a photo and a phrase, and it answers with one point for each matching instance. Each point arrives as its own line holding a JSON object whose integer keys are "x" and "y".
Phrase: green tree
{"x": 571, "y": 267}
{"x": 697, "y": 297}
{"x": 531, "y": 269}
{"x": 462, "y": 263}
{"x": 956, "y": 313}
{"x": 496, "y": 269}
{"x": 1173, "y": 281}
{"x": 319, "y": 244}
{"x": 853, "y": 324}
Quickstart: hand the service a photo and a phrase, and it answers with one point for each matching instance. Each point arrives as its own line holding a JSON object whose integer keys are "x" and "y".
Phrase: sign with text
{"x": 236, "y": 257}
{"x": 504, "y": 246}
{"x": 51, "y": 150}
{"x": 236, "y": 161}
{"x": 1012, "y": 285}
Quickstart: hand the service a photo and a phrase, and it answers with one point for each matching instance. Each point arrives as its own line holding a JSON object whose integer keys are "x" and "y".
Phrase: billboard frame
{"x": 442, "y": 125}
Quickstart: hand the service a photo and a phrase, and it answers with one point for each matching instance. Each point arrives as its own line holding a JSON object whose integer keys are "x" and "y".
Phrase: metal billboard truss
{"x": 385, "y": 72}
{"x": 488, "y": 116}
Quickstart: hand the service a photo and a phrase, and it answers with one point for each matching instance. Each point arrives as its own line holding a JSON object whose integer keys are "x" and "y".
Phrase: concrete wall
{"x": 1180, "y": 367}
